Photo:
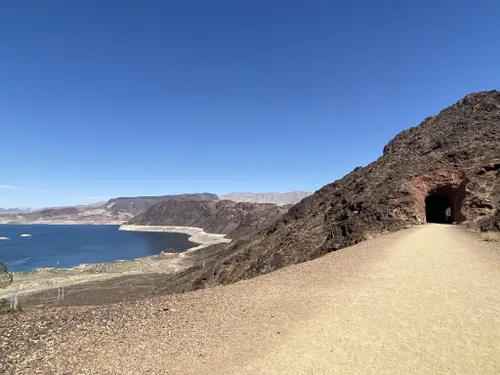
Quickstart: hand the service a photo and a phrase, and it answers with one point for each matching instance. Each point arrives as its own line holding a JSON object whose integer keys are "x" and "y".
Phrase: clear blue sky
{"x": 110, "y": 98}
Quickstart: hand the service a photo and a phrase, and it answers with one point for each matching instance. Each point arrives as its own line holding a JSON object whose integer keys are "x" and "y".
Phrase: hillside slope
{"x": 446, "y": 169}
{"x": 237, "y": 220}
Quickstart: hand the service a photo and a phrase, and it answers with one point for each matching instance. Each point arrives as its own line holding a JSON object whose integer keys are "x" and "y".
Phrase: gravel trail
{"x": 420, "y": 301}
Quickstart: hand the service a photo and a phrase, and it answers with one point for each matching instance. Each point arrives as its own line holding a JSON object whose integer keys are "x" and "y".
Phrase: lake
{"x": 65, "y": 246}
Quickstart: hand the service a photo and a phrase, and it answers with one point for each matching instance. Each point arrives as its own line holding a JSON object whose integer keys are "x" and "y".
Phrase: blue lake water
{"x": 65, "y": 246}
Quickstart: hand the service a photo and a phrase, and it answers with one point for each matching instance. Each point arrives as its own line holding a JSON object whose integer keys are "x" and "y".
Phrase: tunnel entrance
{"x": 443, "y": 204}
{"x": 438, "y": 209}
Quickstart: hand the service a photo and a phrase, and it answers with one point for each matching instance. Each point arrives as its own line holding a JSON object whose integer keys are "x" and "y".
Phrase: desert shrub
{"x": 6, "y": 277}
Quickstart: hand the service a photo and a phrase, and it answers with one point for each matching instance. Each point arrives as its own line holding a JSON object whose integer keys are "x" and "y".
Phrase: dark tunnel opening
{"x": 443, "y": 205}
{"x": 438, "y": 209}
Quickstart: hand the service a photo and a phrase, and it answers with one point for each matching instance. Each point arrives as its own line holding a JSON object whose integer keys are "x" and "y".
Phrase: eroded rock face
{"x": 455, "y": 154}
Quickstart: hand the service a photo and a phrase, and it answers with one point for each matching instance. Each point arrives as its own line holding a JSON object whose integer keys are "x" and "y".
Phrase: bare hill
{"x": 237, "y": 220}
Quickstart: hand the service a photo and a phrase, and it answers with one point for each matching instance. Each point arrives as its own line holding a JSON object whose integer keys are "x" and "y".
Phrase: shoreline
{"x": 45, "y": 278}
{"x": 40, "y": 279}
{"x": 196, "y": 235}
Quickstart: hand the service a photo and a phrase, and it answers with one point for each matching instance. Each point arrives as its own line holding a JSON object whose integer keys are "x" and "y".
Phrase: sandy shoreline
{"x": 196, "y": 235}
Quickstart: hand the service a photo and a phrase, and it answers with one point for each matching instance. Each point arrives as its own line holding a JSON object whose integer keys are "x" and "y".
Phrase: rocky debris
{"x": 281, "y": 199}
{"x": 449, "y": 160}
{"x": 237, "y": 220}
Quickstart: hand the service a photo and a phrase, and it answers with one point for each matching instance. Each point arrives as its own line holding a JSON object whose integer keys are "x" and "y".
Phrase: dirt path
{"x": 420, "y": 301}
{"x": 431, "y": 307}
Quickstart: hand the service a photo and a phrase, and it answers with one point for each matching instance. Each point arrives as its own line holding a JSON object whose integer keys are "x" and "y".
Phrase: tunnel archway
{"x": 438, "y": 209}
{"x": 443, "y": 204}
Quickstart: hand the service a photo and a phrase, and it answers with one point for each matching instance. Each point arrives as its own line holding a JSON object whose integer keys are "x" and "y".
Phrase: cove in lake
{"x": 64, "y": 246}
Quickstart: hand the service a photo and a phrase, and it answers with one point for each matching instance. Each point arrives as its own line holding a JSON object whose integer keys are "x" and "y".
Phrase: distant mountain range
{"x": 114, "y": 211}
{"x": 281, "y": 199}
{"x": 8, "y": 211}
{"x": 122, "y": 209}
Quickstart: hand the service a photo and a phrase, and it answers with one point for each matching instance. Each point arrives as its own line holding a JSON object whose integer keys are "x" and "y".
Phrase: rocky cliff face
{"x": 281, "y": 199}
{"x": 237, "y": 220}
{"x": 445, "y": 170}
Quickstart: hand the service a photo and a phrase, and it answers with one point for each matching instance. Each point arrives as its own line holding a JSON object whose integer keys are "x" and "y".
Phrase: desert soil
{"x": 420, "y": 301}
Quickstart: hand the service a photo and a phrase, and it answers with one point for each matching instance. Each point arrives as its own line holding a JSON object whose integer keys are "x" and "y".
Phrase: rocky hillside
{"x": 136, "y": 205}
{"x": 237, "y": 220}
{"x": 281, "y": 199}
{"x": 447, "y": 169}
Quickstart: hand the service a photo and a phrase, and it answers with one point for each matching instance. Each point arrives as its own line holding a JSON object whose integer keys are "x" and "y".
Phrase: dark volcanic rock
{"x": 452, "y": 159}
{"x": 136, "y": 205}
{"x": 237, "y": 220}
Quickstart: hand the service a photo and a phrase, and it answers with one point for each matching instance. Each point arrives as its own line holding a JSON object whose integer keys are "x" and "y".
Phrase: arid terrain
{"x": 224, "y": 221}
{"x": 323, "y": 287}
{"x": 419, "y": 301}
